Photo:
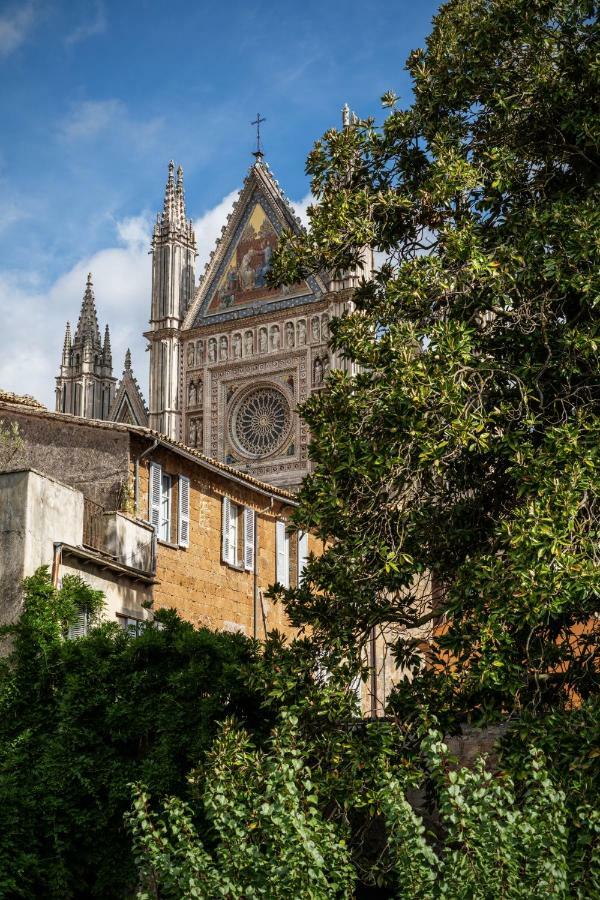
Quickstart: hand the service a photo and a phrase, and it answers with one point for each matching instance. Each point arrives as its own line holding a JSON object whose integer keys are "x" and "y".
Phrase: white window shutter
{"x": 155, "y": 495}
{"x": 249, "y": 526}
{"x": 183, "y": 528}
{"x": 79, "y": 628}
{"x": 225, "y": 529}
{"x": 302, "y": 553}
{"x": 283, "y": 557}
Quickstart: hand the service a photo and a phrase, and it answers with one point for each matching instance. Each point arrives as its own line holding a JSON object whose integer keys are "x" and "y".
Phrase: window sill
{"x": 170, "y": 545}
{"x": 237, "y": 567}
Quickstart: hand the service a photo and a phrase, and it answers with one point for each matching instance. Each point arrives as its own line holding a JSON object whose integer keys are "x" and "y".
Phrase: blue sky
{"x": 97, "y": 96}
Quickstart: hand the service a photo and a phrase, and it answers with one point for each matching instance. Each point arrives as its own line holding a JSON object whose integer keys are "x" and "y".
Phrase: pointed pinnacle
{"x": 107, "y": 339}
{"x": 67, "y": 343}
{"x": 128, "y": 360}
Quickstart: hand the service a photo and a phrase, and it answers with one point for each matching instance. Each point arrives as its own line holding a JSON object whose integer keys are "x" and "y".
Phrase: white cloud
{"x": 97, "y": 25}
{"x": 15, "y": 27}
{"x": 91, "y": 118}
{"x": 300, "y": 207}
{"x": 208, "y": 228}
{"x": 34, "y": 315}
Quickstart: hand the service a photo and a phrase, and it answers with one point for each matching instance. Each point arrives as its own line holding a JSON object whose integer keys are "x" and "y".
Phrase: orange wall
{"x": 194, "y": 580}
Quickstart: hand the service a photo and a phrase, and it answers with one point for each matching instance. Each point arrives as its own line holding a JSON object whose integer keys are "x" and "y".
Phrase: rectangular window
{"x": 302, "y": 554}
{"x": 282, "y": 552}
{"x": 183, "y": 524}
{"x": 160, "y": 502}
{"x": 132, "y": 626}
{"x": 81, "y": 626}
{"x": 237, "y": 534}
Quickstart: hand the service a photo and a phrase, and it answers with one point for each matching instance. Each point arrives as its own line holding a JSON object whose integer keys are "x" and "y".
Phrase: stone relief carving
{"x": 236, "y": 345}
{"x": 199, "y": 352}
{"x": 275, "y": 337}
{"x": 301, "y": 333}
{"x": 325, "y": 326}
{"x": 315, "y": 329}
{"x": 248, "y": 343}
{"x": 190, "y": 355}
{"x": 223, "y": 347}
{"x": 290, "y": 337}
{"x": 263, "y": 340}
{"x": 212, "y": 350}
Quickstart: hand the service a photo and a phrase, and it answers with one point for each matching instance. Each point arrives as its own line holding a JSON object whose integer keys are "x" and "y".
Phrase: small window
{"x": 237, "y": 535}
{"x": 160, "y": 502}
{"x": 282, "y": 552}
{"x": 81, "y": 626}
{"x": 302, "y": 554}
{"x": 132, "y": 626}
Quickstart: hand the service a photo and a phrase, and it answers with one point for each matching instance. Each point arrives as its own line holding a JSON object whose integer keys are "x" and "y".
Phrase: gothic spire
{"x": 67, "y": 345}
{"x": 180, "y": 196}
{"x": 128, "y": 360}
{"x": 169, "y": 202}
{"x": 87, "y": 326}
{"x": 107, "y": 352}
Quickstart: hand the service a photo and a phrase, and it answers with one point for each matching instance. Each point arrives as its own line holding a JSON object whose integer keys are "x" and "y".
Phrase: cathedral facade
{"x": 231, "y": 358}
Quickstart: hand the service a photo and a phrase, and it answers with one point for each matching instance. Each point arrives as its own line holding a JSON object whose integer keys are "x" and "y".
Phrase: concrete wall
{"x": 130, "y": 541}
{"x": 91, "y": 458}
{"x": 35, "y": 511}
{"x": 123, "y": 596}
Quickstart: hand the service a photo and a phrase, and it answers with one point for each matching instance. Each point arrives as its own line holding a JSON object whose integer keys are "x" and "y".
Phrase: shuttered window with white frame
{"x": 164, "y": 531}
{"x": 225, "y": 529}
{"x": 183, "y": 524}
{"x": 302, "y": 554}
{"x": 249, "y": 531}
{"x": 282, "y": 550}
{"x": 155, "y": 495}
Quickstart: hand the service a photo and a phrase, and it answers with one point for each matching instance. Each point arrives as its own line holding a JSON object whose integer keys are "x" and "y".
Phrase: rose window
{"x": 261, "y": 421}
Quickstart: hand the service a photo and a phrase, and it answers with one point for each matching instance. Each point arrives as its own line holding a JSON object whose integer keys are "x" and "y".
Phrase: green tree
{"x": 465, "y": 454}
{"x": 273, "y": 842}
{"x": 81, "y": 719}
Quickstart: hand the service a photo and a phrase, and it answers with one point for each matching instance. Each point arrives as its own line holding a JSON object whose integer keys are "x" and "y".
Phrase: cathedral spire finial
{"x": 128, "y": 360}
{"x": 258, "y": 153}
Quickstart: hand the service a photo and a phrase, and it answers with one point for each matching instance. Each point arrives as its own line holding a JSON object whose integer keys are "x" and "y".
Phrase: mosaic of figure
{"x": 223, "y": 347}
{"x": 248, "y": 344}
{"x": 244, "y": 278}
{"x": 315, "y": 328}
{"x": 212, "y": 350}
{"x": 275, "y": 337}
{"x": 236, "y": 345}
{"x": 289, "y": 334}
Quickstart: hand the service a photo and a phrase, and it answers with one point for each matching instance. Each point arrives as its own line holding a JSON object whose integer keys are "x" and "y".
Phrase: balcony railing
{"x": 93, "y": 525}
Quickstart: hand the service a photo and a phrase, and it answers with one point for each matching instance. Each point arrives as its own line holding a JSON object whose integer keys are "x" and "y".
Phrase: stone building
{"x": 144, "y": 518}
{"x": 86, "y": 385}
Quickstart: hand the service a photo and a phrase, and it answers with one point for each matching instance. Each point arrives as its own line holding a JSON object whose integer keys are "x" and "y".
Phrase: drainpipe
{"x": 56, "y": 564}
{"x": 255, "y": 580}
{"x": 373, "y": 642}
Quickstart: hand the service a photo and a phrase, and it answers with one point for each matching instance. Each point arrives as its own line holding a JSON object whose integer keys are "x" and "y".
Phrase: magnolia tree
{"x": 465, "y": 454}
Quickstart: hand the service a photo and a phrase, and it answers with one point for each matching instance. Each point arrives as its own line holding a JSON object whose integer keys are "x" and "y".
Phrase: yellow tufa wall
{"x": 194, "y": 580}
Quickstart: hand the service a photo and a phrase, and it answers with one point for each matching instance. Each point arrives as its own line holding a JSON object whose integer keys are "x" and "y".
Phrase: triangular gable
{"x": 128, "y": 405}
{"x": 233, "y": 284}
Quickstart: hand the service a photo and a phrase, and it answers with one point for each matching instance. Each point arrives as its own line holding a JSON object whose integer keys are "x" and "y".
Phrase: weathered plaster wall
{"x": 35, "y": 511}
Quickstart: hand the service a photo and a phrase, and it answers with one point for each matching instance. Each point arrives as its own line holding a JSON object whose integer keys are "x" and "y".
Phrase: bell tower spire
{"x": 85, "y": 385}
{"x": 173, "y": 251}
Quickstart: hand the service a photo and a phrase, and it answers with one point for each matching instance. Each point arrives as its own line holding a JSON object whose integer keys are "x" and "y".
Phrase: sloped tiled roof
{"x": 39, "y": 411}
